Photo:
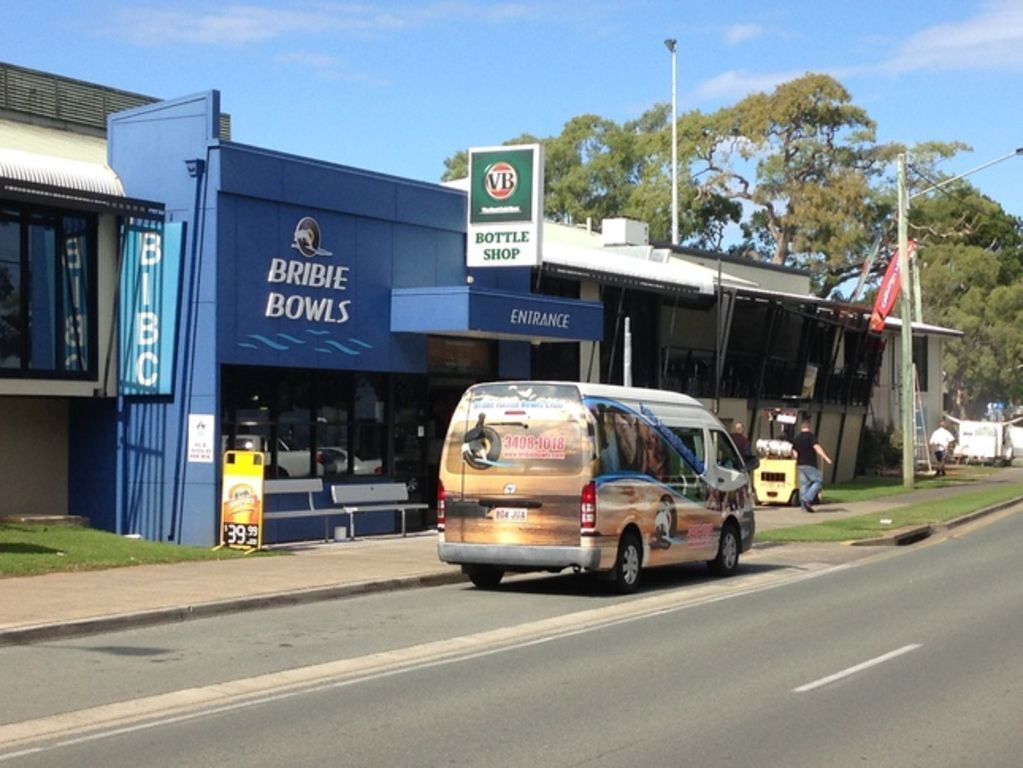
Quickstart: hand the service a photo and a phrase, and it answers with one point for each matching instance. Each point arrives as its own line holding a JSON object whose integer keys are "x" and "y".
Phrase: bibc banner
{"x": 150, "y": 294}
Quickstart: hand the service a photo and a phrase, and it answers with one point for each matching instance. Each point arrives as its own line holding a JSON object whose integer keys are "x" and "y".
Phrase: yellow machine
{"x": 776, "y": 481}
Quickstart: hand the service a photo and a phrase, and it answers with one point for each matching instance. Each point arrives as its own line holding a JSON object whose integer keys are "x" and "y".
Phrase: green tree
{"x": 456, "y": 166}
{"x": 970, "y": 253}
{"x": 802, "y": 158}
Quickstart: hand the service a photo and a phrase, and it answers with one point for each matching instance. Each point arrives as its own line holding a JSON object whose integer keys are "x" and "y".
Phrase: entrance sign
{"x": 505, "y": 206}
{"x": 241, "y": 501}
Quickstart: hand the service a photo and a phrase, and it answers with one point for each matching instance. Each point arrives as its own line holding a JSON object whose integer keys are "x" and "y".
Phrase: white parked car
{"x": 335, "y": 460}
{"x": 294, "y": 462}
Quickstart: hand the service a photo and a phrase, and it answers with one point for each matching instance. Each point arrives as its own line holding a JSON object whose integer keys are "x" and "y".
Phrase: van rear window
{"x": 536, "y": 429}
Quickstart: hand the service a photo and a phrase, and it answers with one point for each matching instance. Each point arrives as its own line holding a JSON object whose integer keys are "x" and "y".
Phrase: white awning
{"x": 606, "y": 266}
{"x": 923, "y": 329}
{"x": 44, "y": 170}
{"x": 578, "y": 253}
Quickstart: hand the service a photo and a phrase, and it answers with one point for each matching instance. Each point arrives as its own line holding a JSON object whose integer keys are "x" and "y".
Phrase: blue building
{"x": 320, "y": 313}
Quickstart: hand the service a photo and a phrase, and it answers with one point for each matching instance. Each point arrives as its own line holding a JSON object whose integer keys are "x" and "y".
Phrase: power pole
{"x": 910, "y": 289}
{"x": 906, "y": 398}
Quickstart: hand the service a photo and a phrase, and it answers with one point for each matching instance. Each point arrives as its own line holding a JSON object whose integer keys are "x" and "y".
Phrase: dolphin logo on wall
{"x": 306, "y": 239}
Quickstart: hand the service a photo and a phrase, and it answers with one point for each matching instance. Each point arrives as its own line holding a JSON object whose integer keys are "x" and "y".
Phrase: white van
{"x": 552, "y": 475}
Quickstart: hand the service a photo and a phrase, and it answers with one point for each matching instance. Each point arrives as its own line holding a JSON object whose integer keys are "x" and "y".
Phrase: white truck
{"x": 984, "y": 442}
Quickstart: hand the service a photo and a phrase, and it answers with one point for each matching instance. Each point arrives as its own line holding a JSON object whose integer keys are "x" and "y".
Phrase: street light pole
{"x": 671, "y": 44}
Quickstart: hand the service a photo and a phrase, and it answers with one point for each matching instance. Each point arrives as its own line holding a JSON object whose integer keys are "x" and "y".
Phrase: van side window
{"x": 724, "y": 452}
{"x": 688, "y": 482}
{"x": 619, "y": 439}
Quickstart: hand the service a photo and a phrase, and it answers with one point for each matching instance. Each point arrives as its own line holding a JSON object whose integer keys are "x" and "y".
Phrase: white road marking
{"x": 104, "y": 721}
{"x": 858, "y": 668}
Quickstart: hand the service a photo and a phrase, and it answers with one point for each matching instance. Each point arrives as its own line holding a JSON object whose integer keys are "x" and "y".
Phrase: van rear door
{"x": 515, "y": 460}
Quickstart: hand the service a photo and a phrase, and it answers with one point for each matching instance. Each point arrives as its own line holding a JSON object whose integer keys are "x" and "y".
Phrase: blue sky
{"x": 398, "y": 86}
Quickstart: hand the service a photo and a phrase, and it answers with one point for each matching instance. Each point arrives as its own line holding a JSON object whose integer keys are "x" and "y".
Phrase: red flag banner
{"x": 888, "y": 292}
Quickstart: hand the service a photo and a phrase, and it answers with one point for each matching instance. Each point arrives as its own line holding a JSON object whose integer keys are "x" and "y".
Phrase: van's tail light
{"x": 588, "y": 507}
{"x": 441, "y": 505}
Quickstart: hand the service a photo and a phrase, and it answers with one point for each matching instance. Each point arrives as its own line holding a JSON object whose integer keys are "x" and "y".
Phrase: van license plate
{"x": 511, "y": 514}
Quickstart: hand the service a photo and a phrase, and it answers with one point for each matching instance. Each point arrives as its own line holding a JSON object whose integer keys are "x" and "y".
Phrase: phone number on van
{"x": 532, "y": 447}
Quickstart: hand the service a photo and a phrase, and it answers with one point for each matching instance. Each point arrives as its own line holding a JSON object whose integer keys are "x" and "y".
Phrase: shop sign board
{"x": 150, "y": 293}
{"x": 296, "y": 284}
{"x": 505, "y": 206}
{"x": 241, "y": 501}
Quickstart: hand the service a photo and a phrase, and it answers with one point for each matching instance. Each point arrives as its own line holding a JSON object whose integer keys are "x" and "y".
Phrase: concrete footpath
{"x": 67, "y": 604}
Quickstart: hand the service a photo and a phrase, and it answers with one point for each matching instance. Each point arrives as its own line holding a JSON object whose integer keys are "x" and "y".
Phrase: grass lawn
{"x": 30, "y": 549}
{"x": 873, "y": 487}
{"x": 871, "y": 526}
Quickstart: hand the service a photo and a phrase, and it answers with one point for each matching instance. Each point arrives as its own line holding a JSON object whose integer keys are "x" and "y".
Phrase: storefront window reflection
{"x": 47, "y": 293}
{"x": 309, "y": 423}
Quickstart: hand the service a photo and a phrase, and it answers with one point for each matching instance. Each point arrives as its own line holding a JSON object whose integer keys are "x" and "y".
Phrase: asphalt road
{"x": 908, "y": 657}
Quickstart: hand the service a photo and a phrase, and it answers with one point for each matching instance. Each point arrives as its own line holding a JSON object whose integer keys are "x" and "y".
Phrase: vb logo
{"x": 500, "y": 180}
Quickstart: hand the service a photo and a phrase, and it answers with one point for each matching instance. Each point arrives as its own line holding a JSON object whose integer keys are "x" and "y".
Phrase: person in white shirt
{"x": 940, "y": 441}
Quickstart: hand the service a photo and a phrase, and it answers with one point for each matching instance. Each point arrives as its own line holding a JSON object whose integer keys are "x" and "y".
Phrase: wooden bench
{"x": 309, "y": 486}
{"x": 354, "y": 498}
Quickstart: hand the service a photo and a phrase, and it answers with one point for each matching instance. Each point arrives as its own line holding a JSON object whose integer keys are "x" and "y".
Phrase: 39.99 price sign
{"x": 240, "y": 535}
{"x": 241, "y": 501}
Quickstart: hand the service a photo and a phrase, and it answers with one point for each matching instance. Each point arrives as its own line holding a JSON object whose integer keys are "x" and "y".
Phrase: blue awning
{"x": 492, "y": 314}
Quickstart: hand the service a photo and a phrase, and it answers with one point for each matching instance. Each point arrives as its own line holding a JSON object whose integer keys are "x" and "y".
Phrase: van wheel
{"x": 794, "y": 499}
{"x": 727, "y": 561}
{"x": 628, "y": 563}
{"x": 483, "y": 576}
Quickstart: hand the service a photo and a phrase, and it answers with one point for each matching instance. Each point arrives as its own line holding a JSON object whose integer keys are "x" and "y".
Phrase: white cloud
{"x": 329, "y": 67}
{"x": 993, "y": 39}
{"x": 740, "y": 33}
{"x": 245, "y": 23}
{"x": 231, "y": 25}
{"x": 737, "y": 84}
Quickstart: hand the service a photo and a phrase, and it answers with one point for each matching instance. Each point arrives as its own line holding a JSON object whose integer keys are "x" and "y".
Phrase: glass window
{"x": 333, "y": 409}
{"x": 536, "y": 430}
{"x": 11, "y": 325}
{"x": 310, "y": 424}
{"x": 410, "y": 433}
{"x": 42, "y": 297}
{"x": 691, "y": 483}
{"x": 920, "y": 361}
{"x": 724, "y": 451}
{"x": 75, "y": 291}
{"x": 47, "y": 293}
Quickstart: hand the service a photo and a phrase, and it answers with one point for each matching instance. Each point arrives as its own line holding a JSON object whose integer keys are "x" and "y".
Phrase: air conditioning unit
{"x": 625, "y": 232}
